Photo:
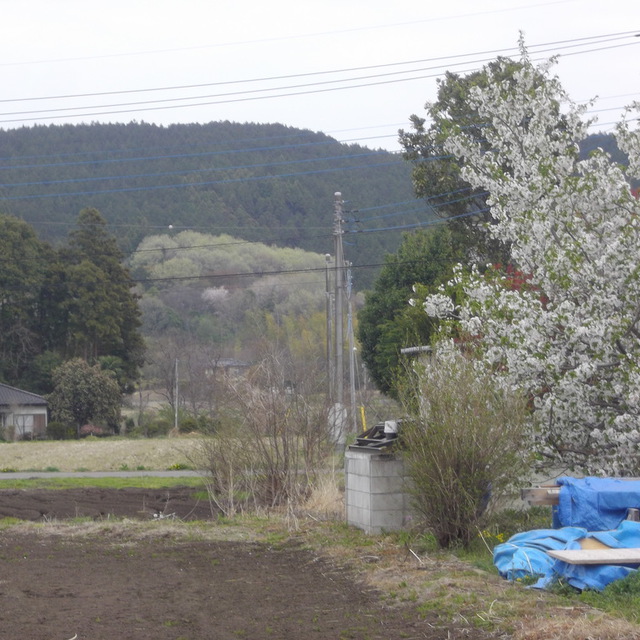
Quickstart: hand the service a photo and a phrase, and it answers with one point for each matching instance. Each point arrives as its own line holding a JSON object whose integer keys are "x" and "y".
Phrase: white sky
{"x": 72, "y": 47}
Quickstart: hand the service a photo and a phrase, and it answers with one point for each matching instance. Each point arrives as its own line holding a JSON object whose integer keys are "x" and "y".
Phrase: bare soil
{"x": 58, "y": 582}
{"x": 96, "y": 503}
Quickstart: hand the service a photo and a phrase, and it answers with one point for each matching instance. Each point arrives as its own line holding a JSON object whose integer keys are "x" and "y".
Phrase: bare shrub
{"x": 465, "y": 444}
{"x": 272, "y": 442}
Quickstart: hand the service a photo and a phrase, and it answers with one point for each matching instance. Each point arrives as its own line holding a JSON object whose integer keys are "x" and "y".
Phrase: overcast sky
{"x": 354, "y": 69}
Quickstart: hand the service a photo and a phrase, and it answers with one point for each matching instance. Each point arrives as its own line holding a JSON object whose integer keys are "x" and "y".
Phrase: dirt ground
{"x": 111, "y": 582}
{"x": 57, "y": 504}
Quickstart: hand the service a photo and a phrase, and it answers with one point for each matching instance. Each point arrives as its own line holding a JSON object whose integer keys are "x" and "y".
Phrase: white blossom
{"x": 439, "y": 305}
{"x": 570, "y": 338}
{"x": 215, "y": 295}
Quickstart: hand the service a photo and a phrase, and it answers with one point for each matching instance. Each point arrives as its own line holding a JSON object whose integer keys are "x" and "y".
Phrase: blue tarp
{"x": 525, "y": 555}
{"x": 587, "y": 508}
{"x": 597, "y": 504}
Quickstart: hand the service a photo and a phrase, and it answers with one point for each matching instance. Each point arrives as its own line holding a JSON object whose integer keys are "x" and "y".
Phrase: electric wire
{"x": 252, "y": 94}
{"x": 182, "y": 185}
{"x": 173, "y": 156}
{"x": 163, "y": 174}
{"x": 570, "y": 43}
{"x": 372, "y": 153}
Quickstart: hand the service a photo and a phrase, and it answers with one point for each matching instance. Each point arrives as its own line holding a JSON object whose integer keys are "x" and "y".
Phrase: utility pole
{"x": 175, "y": 397}
{"x": 329, "y": 314}
{"x": 352, "y": 353}
{"x": 339, "y": 297}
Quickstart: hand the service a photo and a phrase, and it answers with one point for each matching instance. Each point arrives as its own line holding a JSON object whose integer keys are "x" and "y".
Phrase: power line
{"x": 183, "y": 185}
{"x": 261, "y": 165}
{"x": 184, "y": 171}
{"x": 571, "y": 42}
{"x": 261, "y": 274}
{"x": 258, "y": 94}
{"x": 328, "y": 234}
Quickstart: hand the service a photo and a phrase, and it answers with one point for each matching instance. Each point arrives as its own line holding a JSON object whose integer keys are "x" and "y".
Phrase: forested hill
{"x": 263, "y": 182}
{"x": 266, "y": 182}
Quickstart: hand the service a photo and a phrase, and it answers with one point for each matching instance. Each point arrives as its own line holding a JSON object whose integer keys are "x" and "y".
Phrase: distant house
{"x": 229, "y": 367}
{"x": 22, "y": 414}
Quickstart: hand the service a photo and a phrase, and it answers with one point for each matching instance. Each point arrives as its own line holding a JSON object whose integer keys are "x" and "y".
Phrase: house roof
{"x": 231, "y": 362}
{"x": 12, "y": 396}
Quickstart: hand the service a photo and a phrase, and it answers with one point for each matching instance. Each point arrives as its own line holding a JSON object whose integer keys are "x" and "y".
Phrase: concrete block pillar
{"x": 376, "y": 496}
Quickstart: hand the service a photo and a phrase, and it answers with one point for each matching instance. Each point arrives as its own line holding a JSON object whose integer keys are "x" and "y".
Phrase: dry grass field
{"x": 98, "y": 454}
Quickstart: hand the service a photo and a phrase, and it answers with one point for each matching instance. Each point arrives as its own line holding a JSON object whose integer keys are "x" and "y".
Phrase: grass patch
{"x": 9, "y": 522}
{"x": 620, "y": 598}
{"x": 100, "y": 454}
{"x": 143, "y": 482}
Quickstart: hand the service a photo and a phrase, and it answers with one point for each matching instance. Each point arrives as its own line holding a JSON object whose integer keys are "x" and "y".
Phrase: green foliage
{"x": 436, "y": 176}
{"x": 60, "y": 431}
{"x": 150, "y": 482}
{"x": 199, "y": 423}
{"x": 507, "y": 522}
{"x": 620, "y": 598}
{"x": 387, "y": 322}
{"x": 179, "y": 466}
{"x": 23, "y": 271}
{"x": 464, "y": 445}
{"x": 39, "y": 375}
{"x": 84, "y": 394}
{"x": 57, "y": 305}
{"x": 628, "y": 586}
{"x": 220, "y": 312}
{"x": 102, "y": 314}
{"x": 153, "y": 426}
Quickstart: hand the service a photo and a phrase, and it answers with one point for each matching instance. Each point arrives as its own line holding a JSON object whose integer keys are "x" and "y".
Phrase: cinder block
{"x": 387, "y": 501}
{"x": 387, "y": 467}
{"x": 360, "y": 518}
{"x": 376, "y": 491}
{"x": 358, "y": 466}
{"x": 361, "y": 499}
{"x": 358, "y": 483}
{"x": 387, "y": 484}
{"x": 390, "y": 520}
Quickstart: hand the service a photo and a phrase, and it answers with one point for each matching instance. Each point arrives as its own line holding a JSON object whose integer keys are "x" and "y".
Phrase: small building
{"x": 229, "y": 367}
{"x": 22, "y": 414}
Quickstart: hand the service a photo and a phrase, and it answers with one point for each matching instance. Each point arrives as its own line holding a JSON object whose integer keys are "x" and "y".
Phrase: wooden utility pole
{"x": 329, "y": 314}
{"x": 176, "y": 392}
{"x": 339, "y": 298}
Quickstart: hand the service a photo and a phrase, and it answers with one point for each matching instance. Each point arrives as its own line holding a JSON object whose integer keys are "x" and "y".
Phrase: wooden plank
{"x": 548, "y": 495}
{"x": 597, "y": 556}
{"x": 592, "y": 543}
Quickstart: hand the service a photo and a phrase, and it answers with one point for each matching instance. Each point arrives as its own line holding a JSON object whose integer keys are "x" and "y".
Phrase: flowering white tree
{"x": 567, "y": 329}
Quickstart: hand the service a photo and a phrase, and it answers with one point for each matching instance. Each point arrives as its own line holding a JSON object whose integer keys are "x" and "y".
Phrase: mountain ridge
{"x": 266, "y": 182}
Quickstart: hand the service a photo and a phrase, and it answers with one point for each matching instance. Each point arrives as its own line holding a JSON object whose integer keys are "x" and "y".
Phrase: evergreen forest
{"x": 259, "y": 182}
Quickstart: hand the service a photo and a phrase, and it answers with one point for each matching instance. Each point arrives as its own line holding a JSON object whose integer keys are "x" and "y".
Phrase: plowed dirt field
{"x": 59, "y": 582}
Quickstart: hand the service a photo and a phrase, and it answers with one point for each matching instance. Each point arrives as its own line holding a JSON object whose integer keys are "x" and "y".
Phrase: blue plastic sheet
{"x": 597, "y": 504}
{"x": 525, "y": 555}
